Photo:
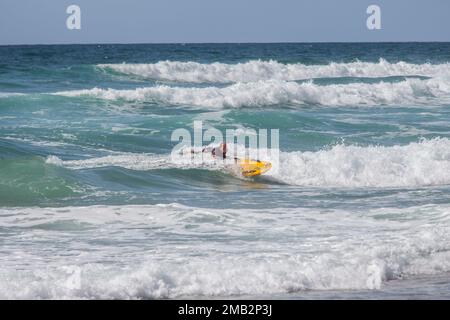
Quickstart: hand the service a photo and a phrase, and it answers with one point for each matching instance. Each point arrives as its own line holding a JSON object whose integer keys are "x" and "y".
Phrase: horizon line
{"x": 206, "y": 43}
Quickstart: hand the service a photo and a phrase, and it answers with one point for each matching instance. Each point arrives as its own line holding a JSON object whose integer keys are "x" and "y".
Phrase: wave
{"x": 28, "y": 181}
{"x": 256, "y": 70}
{"x": 273, "y": 92}
{"x": 300, "y": 249}
{"x": 422, "y": 163}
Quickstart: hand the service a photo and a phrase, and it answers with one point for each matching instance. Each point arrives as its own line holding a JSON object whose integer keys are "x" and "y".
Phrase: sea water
{"x": 91, "y": 205}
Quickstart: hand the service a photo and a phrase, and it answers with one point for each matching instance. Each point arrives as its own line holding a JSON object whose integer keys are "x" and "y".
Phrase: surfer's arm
{"x": 205, "y": 149}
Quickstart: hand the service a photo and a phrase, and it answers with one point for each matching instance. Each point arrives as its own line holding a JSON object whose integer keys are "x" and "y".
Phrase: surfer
{"x": 219, "y": 151}
{"x": 246, "y": 167}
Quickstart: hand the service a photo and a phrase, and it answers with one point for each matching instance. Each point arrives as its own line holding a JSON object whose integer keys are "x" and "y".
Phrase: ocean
{"x": 92, "y": 207}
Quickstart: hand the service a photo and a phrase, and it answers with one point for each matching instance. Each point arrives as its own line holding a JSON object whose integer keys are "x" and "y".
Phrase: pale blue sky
{"x": 166, "y": 21}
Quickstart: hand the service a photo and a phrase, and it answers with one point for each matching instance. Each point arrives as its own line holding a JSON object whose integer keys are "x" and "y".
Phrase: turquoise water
{"x": 91, "y": 205}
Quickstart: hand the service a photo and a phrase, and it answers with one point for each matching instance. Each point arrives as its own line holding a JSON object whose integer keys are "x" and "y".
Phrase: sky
{"x": 186, "y": 21}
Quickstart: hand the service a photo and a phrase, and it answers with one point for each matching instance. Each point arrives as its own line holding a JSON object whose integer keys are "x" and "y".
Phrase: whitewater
{"x": 257, "y": 70}
{"x": 374, "y": 250}
{"x": 272, "y": 92}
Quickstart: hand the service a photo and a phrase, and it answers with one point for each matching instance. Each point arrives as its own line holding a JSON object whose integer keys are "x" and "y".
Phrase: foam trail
{"x": 274, "y": 92}
{"x": 134, "y": 162}
{"x": 264, "y": 70}
{"x": 140, "y": 162}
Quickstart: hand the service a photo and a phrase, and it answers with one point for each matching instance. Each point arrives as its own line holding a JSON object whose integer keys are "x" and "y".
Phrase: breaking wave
{"x": 422, "y": 163}
{"x": 256, "y": 70}
{"x": 274, "y": 92}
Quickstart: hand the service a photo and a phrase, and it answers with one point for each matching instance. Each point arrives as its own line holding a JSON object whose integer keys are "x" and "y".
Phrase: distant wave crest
{"x": 256, "y": 70}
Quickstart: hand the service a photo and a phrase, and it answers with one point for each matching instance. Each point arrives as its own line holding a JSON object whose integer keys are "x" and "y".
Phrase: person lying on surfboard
{"x": 246, "y": 167}
{"x": 219, "y": 151}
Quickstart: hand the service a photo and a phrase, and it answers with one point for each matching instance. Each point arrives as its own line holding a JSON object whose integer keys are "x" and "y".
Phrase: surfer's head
{"x": 220, "y": 151}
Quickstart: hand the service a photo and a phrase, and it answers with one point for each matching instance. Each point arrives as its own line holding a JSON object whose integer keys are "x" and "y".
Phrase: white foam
{"x": 264, "y": 70}
{"x": 273, "y": 92}
{"x": 417, "y": 164}
{"x": 141, "y": 162}
{"x": 37, "y": 142}
{"x": 54, "y": 160}
{"x": 124, "y": 252}
{"x": 128, "y": 161}
{"x": 10, "y": 94}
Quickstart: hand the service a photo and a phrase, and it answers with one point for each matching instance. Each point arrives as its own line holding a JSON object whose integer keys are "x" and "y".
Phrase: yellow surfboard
{"x": 252, "y": 168}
